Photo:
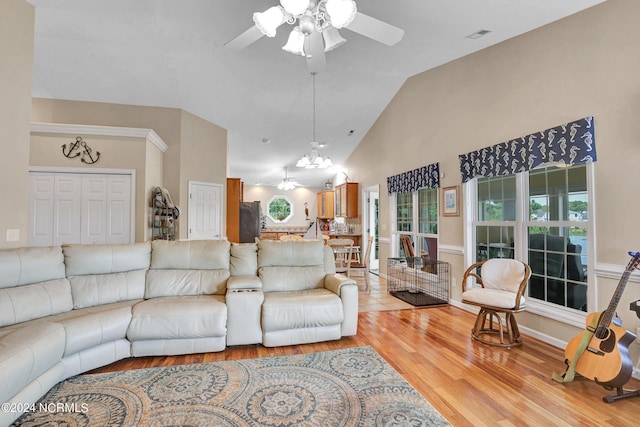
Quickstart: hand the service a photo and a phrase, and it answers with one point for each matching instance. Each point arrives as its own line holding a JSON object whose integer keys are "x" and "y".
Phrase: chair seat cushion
{"x": 179, "y": 317}
{"x": 301, "y": 309}
{"x": 492, "y": 297}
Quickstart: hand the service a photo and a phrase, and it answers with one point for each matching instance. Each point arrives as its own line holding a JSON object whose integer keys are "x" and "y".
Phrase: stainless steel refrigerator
{"x": 250, "y": 214}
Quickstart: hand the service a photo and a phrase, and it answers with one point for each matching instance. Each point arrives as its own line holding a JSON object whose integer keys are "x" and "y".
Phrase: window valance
{"x": 570, "y": 143}
{"x": 410, "y": 181}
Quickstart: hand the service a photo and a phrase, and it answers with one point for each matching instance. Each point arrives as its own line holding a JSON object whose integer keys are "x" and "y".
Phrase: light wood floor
{"x": 467, "y": 382}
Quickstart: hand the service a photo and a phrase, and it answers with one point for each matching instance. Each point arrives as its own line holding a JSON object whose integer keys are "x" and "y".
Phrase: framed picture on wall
{"x": 450, "y": 201}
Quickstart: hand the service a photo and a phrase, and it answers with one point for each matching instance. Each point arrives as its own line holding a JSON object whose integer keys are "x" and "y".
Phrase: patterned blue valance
{"x": 408, "y": 182}
{"x": 570, "y": 143}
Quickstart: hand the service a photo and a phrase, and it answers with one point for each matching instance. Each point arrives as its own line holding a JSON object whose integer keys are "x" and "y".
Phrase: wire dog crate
{"x": 419, "y": 281}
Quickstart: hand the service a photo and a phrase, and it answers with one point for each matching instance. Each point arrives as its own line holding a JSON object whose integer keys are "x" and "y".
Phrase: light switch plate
{"x": 13, "y": 235}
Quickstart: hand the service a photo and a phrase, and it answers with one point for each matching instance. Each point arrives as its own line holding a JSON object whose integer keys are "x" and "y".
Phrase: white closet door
{"x": 79, "y": 208}
{"x": 66, "y": 208}
{"x": 205, "y": 211}
{"x": 118, "y": 220}
{"x": 41, "y": 209}
{"x": 94, "y": 208}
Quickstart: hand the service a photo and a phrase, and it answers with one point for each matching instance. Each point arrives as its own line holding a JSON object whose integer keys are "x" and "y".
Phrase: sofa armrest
{"x": 243, "y": 283}
{"x": 244, "y": 300}
{"x": 334, "y": 283}
{"x": 347, "y": 290}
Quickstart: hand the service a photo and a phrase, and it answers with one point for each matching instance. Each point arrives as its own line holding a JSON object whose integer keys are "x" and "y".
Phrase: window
{"x": 280, "y": 209}
{"x": 557, "y": 234}
{"x": 496, "y": 217}
{"x": 416, "y": 224}
{"x": 542, "y": 218}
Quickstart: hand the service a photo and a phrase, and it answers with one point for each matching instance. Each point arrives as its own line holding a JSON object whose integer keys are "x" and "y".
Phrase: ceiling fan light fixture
{"x": 295, "y": 44}
{"x": 332, "y": 39}
{"x": 269, "y": 20}
{"x": 286, "y": 185}
{"x": 295, "y": 7}
{"x": 341, "y": 12}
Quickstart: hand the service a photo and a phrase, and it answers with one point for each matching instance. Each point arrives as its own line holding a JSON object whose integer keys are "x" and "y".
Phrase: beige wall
{"x": 298, "y": 196}
{"x": 203, "y": 157}
{"x": 17, "y": 19}
{"x": 197, "y": 149}
{"x": 586, "y": 64}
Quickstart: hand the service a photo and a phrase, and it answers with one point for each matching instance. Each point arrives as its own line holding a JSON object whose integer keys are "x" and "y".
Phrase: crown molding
{"x": 71, "y": 129}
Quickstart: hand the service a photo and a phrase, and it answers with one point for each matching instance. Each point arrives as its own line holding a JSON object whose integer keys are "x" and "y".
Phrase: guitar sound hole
{"x": 602, "y": 333}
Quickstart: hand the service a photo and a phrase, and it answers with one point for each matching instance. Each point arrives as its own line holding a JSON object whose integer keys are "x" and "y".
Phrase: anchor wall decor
{"x": 80, "y": 148}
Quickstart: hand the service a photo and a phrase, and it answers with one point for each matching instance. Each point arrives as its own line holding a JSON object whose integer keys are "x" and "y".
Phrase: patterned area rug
{"x": 349, "y": 387}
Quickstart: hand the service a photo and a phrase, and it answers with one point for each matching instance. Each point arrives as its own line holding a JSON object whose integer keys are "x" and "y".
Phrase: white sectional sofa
{"x": 66, "y": 310}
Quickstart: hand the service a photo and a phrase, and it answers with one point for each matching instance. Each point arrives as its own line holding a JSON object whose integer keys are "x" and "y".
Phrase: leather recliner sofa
{"x": 66, "y": 310}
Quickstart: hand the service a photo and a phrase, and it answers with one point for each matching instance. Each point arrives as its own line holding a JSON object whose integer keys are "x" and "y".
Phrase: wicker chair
{"x": 503, "y": 282}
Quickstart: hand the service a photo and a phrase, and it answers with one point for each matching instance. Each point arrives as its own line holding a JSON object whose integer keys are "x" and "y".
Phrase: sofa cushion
{"x": 106, "y": 274}
{"x": 197, "y": 267}
{"x": 98, "y": 289}
{"x": 91, "y": 327}
{"x": 291, "y": 265}
{"x": 83, "y": 260}
{"x": 165, "y": 283}
{"x": 190, "y": 255}
{"x": 26, "y": 353}
{"x": 23, "y": 303}
{"x": 244, "y": 259}
{"x": 179, "y": 317}
{"x": 301, "y": 309}
{"x": 290, "y": 253}
{"x": 24, "y": 266}
{"x": 279, "y": 279}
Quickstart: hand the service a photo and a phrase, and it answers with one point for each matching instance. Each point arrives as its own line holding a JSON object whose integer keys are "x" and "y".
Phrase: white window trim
{"x": 541, "y": 308}
{"x": 415, "y": 212}
{"x": 291, "y": 211}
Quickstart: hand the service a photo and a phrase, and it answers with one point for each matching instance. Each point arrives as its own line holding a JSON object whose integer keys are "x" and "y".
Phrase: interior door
{"x": 205, "y": 211}
{"x": 373, "y": 198}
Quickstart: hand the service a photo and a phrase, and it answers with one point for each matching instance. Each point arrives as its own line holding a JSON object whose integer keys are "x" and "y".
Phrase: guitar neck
{"x": 607, "y": 315}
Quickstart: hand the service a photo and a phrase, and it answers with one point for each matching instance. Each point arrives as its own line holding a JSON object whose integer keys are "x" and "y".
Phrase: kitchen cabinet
{"x": 325, "y": 204}
{"x": 347, "y": 200}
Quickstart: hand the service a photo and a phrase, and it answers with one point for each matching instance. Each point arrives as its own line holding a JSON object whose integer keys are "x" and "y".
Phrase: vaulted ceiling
{"x": 171, "y": 53}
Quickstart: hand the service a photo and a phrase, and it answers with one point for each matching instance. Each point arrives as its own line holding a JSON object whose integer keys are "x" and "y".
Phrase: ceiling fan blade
{"x": 316, "y": 62}
{"x": 250, "y": 36}
{"x": 376, "y": 29}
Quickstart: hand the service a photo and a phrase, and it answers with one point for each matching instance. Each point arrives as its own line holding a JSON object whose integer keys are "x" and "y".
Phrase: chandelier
{"x": 323, "y": 16}
{"x": 314, "y": 160}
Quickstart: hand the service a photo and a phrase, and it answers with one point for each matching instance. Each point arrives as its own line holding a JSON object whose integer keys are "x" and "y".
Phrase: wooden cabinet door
{"x": 347, "y": 200}
{"x": 325, "y": 204}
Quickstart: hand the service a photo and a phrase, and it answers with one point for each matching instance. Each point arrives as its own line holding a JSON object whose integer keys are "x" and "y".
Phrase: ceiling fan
{"x": 316, "y": 28}
{"x": 287, "y": 183}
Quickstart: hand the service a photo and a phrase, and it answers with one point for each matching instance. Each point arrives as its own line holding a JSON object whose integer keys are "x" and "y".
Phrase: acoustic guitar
{"x": 606, "y": 359}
